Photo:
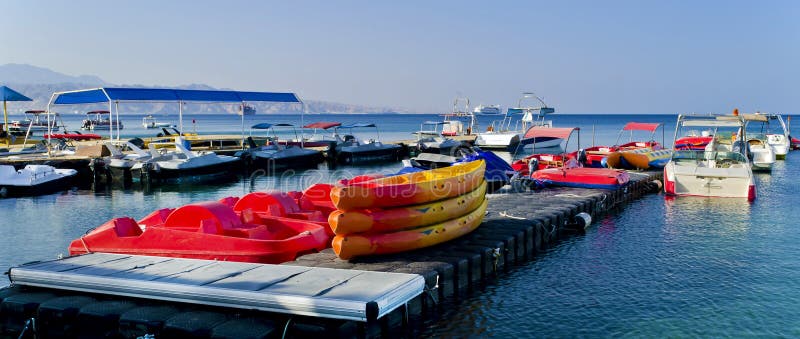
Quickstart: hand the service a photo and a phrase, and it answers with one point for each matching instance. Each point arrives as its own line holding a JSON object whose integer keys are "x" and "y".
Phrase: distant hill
{"x": 40, "y": 83}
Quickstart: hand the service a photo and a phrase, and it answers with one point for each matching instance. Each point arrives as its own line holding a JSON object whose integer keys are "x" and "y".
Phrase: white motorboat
{"x": 277, "y": 155}
{"x": 509, "y": 132}
{"x": 100, "y": 120}
{"x": 761, "y": 154}
{"x": 181, "y": 163}
{"x": 777, "y": 135}
{"x": 487, "y": 110}
{"x": 151, "y": 122}
{"x": 120, "y": 164}
{"x": 721, "y": 170}
{"x": 352, "y": 150}
{"x": 35, "y": 121}
{"x": 33, "y": 180}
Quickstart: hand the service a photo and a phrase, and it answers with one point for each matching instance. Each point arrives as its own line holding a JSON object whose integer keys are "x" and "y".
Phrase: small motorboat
{"x": 770, "y": 129}
{"x": 275, "y": 155}
{"x": 261, "y": 227}
{"x": 433, "y": 141}
{"x": 721, "y": 170}
{"x": 181, "y": 163}
{"x": 351, "y": 150}
{"x": 35, "y": 121}
{"x": 318, "y": 138}
{"x": 101, "y": 119}
{"x": 550, "y": 157}
{"x": 508, "y": 132}
{"x": 33, "y": 180}
{"x": 151, "y": 122}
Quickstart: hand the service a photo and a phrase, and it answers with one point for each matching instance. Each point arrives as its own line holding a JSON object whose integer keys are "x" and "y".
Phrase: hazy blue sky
{"x": 581, "y": 56}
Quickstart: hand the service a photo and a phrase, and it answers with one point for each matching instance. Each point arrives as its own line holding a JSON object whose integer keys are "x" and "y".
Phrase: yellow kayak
{"x": 411, "y": 188}
{"x": 400, "y": 218}
{"x": 354, "y": 245}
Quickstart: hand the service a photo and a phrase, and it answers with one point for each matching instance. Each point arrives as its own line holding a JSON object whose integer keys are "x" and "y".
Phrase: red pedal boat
{"x": 259, "y": 227}
{"x": 583, "y": 177}
{"x": 73, "y": 136}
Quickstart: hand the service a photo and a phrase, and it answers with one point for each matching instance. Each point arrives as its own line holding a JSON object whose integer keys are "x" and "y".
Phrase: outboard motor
{"x": 533, "y": 165}
{"x": 581, "y": 157}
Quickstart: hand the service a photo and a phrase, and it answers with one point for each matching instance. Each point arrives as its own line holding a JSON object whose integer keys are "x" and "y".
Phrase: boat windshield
{"x": 689, "y": 156}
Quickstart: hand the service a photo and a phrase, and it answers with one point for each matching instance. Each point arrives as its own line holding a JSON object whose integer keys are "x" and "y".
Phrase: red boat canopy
{"x": 323, "y": 125}
{"x": 641, "y": 126}
{"x": 536, "y": 132}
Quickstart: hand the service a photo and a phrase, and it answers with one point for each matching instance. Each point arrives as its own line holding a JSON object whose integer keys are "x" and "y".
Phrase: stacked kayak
{"x": 409, "y": 211}
{"x": 259, "y": 227}
{"x": 582, "y": 177}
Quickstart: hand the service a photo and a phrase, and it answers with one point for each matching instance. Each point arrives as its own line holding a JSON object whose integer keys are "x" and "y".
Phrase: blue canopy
{"x": 9, "y": 94}
{"x": 266, "y": 125}
{"x": 357, "y": 124}
{"x": 106, "y": 94}
{"x": 434, "y": 123}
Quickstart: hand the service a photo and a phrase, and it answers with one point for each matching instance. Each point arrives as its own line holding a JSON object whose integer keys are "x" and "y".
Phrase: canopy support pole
{"x": 110, "y": 120}
{"x": 116, "y": 110}
{"x": 242, "y": 114}
{"x": 180, "y": 117}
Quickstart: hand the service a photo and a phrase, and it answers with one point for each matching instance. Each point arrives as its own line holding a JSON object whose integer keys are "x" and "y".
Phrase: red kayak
{"x": 259, "y": 227}
{"x": 583, "y": 177}
{"x": 73, "y": 136}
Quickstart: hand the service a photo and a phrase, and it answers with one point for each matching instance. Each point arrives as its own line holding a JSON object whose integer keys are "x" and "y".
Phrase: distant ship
{"x": 246, "y": 110}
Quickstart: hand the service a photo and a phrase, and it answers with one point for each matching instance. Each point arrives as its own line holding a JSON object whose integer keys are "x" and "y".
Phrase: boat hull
{"x": 693, "y": 180}
{"x": 499, "y": 140}
{"x": 353, "y": 157}
{"x": 582, "y": 177}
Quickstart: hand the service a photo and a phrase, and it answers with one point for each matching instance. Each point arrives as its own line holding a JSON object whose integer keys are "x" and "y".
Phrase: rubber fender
{"x": 193, "y": 215}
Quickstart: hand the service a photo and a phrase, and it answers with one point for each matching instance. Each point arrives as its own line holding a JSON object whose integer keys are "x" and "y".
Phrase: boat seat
{"x": 127, "y": 227}
{"x": 210, "y": 226}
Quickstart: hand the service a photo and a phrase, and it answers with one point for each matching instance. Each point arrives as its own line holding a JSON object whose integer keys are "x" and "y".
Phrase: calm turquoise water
{"x": 683, "y": 267}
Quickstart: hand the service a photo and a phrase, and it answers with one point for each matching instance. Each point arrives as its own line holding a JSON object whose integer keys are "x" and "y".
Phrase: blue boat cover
{"x": 358, "y": 124}
{"x": 9, "y": 94}
{"x": 107, "y": 94}
{"x": 266, "y": 125}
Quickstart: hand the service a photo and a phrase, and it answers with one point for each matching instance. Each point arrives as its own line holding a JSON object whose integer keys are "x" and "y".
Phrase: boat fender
{"x": 656, "y": 185}
{"x": 580, "y": 221}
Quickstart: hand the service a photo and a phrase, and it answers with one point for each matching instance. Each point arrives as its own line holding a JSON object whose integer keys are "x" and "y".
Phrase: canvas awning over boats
{"x": 550, "y": 132}
{"x": 126, "y": 94}
{"x": 641, "y": 126}
{"x": 323, "y": 125}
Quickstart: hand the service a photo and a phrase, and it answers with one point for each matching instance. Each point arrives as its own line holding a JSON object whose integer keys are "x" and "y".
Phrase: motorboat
{"x": 120, "y": 164}
{"x": 721, "y": 170}
{"x": 635, "y": 154}
{"x": 98, "y": 120}
{"x": 33, "y": 180}
{"x": 260, "y": 227}
{"x": 581, "y": 177}
{"x": 319, "y": 134}
{"x": 275, "y": 155}
{"x": 431, "y": 140}
{"x": 775, "y": 132}
{"x": 550, "y": 157}
{"x": 180, "y": 163}
{"x": 760, "y": 152}
{"x": 487, "y": 110}
{"x": 35, "y": 121}
{"x": 460, "y": 121}
{"x": 351, "y": 150}
{"x": 150, "y": 121}
{"x": 508, "y": 132}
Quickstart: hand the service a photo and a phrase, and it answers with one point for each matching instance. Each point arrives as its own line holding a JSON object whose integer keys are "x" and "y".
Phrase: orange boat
{"x": 411, "y": 188}
{"x": 361, "y": 244}
{"x": 259, "y": 227}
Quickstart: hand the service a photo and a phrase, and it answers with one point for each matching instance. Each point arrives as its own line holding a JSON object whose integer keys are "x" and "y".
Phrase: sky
{"x": 580, "y": 56}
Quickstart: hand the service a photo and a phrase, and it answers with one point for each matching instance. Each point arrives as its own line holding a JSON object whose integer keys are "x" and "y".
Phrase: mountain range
{"x": 40, "y": 83}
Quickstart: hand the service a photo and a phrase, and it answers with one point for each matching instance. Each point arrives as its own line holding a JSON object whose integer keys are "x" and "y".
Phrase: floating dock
{"x": 519, "y": 224}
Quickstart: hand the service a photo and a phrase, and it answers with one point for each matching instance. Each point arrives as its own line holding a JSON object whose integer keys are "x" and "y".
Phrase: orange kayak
{"x": 411, "y": 188}
{"x": 353, "y": 245}
{"x": 400, "y": 218}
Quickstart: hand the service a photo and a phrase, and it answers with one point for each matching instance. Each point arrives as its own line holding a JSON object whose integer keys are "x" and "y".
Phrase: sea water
{"x": 660, "y": 267}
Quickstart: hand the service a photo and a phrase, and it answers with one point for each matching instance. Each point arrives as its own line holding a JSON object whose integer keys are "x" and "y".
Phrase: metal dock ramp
{"x": 309, "y": 291}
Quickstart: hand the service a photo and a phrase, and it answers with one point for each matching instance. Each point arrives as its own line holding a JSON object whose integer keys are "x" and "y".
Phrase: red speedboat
{"x": 259, "y": 227}
{"x": 73, "y": 136}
